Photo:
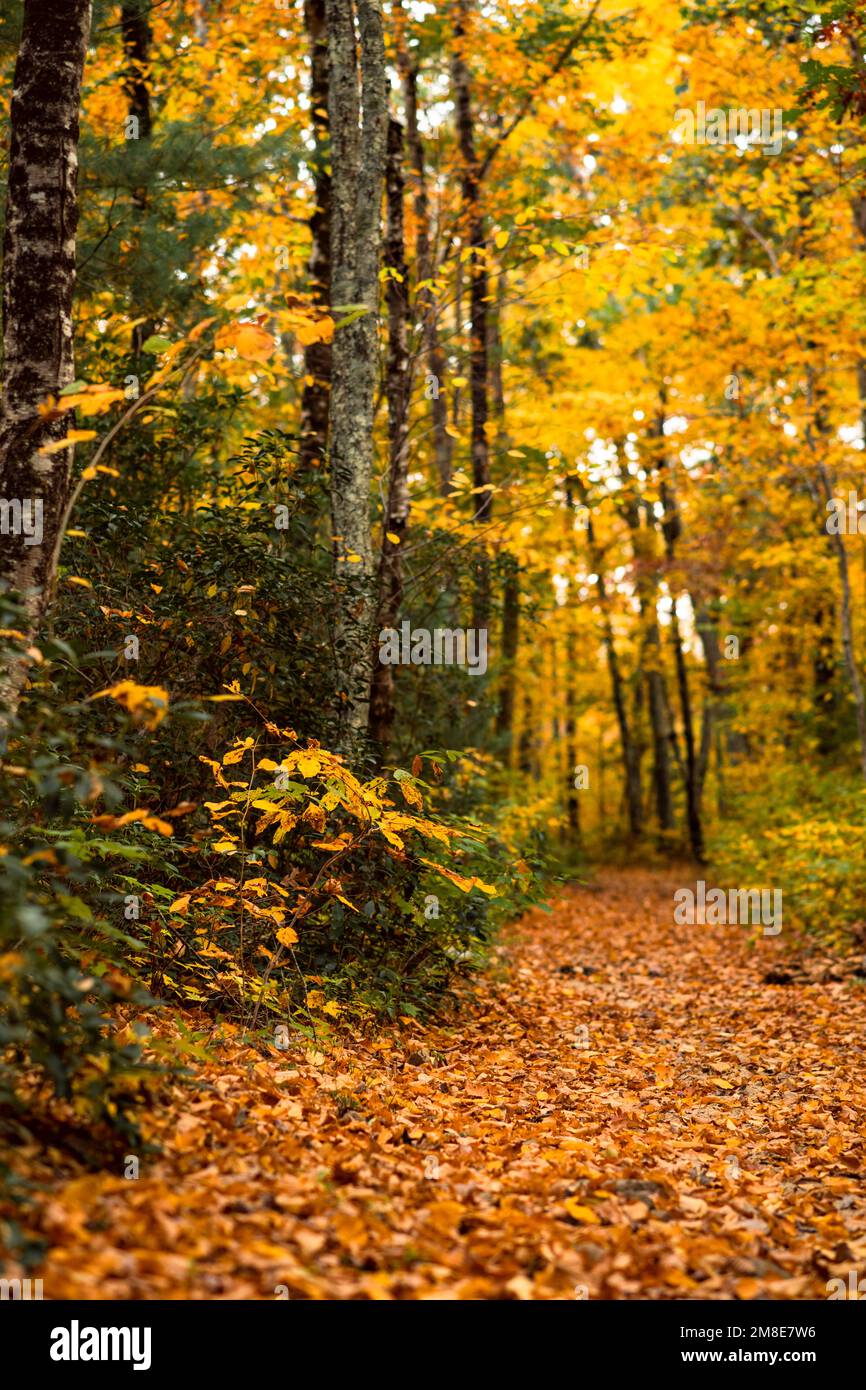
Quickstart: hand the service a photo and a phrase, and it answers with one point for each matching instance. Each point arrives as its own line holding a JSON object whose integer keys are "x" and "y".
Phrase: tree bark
{"x": 398, "y": 391}
{"x": 316, "y": 395}
{"x": 671, "y": 530}
{"x": 646, "y": 585}
{"x": 510, "y": 641}
{"x": 38, "y": 285}
{"x": 426, "y": 270}
{"x": 837, "y": 545}
{"x": 136, "y": 36}
{"x": 357, "y": 108}
{"x": 473, "y": 221}
{"x": 714, "y": 707}
{"x": 628, "y": 744}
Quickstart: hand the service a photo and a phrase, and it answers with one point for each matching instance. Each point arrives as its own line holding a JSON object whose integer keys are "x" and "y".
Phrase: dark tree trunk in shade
{"x": 510, "y": 642}
{"x": 474, "y": 232}
{"x": 629, "y": 746}
{"x": 398, "y": 390}
{"x": 671, "y": 530}
{"x": 646, "y": 584}
{"x": 572, "y": 799}
{"x": 136, "y": 35}
{"x": 426, "y": 269}
{"x": 315, "y": 398}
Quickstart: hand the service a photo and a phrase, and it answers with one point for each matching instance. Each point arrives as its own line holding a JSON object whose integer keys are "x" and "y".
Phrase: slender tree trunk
{"x": 398, "y": 390}
{"x": 315, "y": 399}
{"x": 38, "y": 285}
{"x": 510, "y": 643}
{"x": 526, "y": 759}
{"x": 861, "y": 392}
{"x": 630, "y": 748}
{"x": 714, "y": 708}
{"x": 671, "y": 530}
{"x": 136, "y": 35}
{"x": 135, "y": 29}
{"x": 426, "y": 269}
{"x": 646, "y": 584}
{"x": 358, "y": 154}
{"x": 821, "y": 493}
{"x": 572, "y": 798}
{"x": 473, "y": 221}
{"x": 693, "y": 809}
{"x": 837, "y": 545}
{"x": 494, "y": 349}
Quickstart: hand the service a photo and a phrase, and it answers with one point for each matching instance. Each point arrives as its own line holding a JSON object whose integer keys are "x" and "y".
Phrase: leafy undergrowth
{"x": 625, "y": 1108}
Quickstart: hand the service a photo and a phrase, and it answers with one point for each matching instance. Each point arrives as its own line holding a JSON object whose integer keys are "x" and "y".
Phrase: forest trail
{"x": 702, "y": 1138}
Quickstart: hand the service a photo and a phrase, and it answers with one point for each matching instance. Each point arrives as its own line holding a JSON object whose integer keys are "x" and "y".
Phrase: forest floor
{"x": 625, "y": 1108}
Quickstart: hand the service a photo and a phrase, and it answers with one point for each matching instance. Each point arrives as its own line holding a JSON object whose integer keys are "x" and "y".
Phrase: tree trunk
{"x": 671, "y": 530}
{"x": 510, "y": 641}
{"x": 358, "y": 154}
{"x": 398, "y": 390}
{"x": 822, "y": 492}
{"x": 714, "y": 707}
{"x": 837, "y": 544}
{"x": 629, "y": 746}
{"x": 646, "y": 584}
{"x": 473, "y": 224}
{"x": 136, "y": 35}
{"x": 315, "y": 398}
{"x": 572, "y": 799}
{"x": 426, "y": 269}
{"x": 38, "y": 284}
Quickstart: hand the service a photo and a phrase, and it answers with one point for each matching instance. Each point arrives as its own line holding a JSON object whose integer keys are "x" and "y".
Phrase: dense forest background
{"x": 328, "y": 319}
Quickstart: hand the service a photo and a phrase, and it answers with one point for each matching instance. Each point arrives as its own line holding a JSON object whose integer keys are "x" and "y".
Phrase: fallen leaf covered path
{"x": 626, "y": 1110}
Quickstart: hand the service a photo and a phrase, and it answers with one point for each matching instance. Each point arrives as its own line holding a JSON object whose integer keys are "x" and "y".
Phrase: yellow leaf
{"x": 501, "y": 240}
{"x": 180, "y": 904}
{"x": 411, "y": 794}
{"x": 463, "y": 883}
{"x": 146, "y": 702}
{"x": 196, "y": 332}
{"x": 91, "y": 400}
{"x": 234, "y": 755}
{"x": 315, "y": 816}
{"x": 73, "y": 437}
{"x": 580, "y": 1213}
{"x": 249, "y": 341}
{"x": 287, "y": 936}
{"x": 215, "y": 769}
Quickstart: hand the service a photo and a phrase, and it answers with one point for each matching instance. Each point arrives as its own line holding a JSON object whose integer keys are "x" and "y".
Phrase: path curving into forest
{"x": 628, "y": 1110}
